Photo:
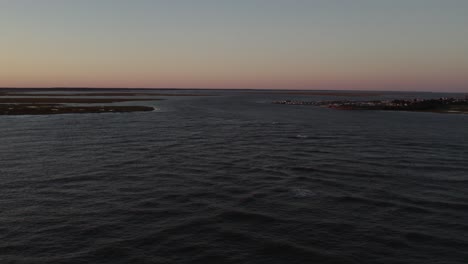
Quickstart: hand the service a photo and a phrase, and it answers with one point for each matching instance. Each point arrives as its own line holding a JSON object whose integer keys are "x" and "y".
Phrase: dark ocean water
{"x": 234, "y": 179}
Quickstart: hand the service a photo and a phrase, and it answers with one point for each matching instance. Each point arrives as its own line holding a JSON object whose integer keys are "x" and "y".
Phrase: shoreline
{"x": 34, "y": 104}
{"x": 53, "y": 109}
{"x": 42, "y": 100}
{"x": 441, "y": 105}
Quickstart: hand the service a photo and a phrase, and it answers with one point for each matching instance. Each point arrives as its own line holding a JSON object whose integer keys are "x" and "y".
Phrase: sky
{"x": 417, "y": 45}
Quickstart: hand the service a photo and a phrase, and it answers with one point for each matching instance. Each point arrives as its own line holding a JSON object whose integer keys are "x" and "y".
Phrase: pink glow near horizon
{"x": 260, "y": 44}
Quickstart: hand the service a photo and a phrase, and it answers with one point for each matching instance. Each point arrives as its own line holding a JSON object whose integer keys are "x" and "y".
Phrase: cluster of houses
{"x": 290, "y": 102}
{"x": 414, "y": 104}
{"x": 397, "y": 104}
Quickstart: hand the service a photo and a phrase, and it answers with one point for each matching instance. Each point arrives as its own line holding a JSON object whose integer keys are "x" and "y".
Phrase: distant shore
{"x": 45, "y": 100}
{"x": 41, "y": 104}
{"x": 50, "y": 109}
{"x": 441, "y": 105}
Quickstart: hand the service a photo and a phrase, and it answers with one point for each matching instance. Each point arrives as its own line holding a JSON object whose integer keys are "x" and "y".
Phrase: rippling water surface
{"x": 234, "y": 179}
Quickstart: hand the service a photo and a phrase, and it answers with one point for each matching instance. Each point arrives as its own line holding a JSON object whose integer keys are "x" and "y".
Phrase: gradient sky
{"x": 292, "y": 44}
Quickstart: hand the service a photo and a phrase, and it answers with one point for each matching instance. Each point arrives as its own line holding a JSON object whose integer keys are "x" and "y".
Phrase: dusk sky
{"x": 419, "y": 45}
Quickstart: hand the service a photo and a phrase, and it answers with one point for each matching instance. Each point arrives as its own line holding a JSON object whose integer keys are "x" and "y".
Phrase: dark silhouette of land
{"x": 50, "y": 109}
{"x": 441, "y": 105}
{"x": 45, "y": 101}
{"x": 19, "y": 102}
{"x": 42, "y": 100}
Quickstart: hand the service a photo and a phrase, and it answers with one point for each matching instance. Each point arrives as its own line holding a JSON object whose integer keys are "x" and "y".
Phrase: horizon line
{"x": 234, "y": 89}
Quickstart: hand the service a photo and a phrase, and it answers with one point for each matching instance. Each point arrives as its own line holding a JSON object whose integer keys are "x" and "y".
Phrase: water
{"x": 234, "y": 179}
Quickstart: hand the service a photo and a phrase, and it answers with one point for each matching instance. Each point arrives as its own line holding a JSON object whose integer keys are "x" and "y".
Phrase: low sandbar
{"x": 39, "y": 105}
{"x": 49, "y": 109}
{"x": 43, "y": 100}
